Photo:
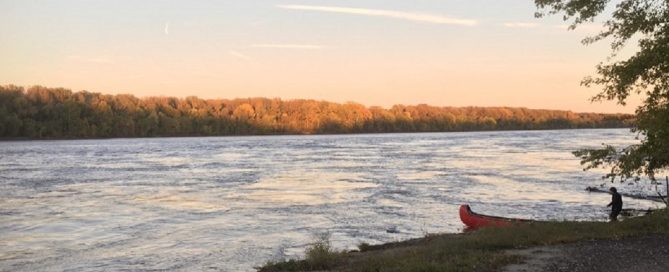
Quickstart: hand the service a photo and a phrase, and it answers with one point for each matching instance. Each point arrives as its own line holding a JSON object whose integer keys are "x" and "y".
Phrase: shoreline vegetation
{"x": 488, "y": 249}
{"x": 38, "y": 112}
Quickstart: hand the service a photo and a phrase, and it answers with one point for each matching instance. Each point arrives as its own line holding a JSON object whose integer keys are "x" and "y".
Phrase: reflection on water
{"x": 306, "y": 188}
{"x": 230, "y": 203}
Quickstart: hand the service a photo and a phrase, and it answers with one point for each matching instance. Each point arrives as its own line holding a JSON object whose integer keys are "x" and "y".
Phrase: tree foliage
{"x": 645, "y": 72}
{"x": 44, "y": 113}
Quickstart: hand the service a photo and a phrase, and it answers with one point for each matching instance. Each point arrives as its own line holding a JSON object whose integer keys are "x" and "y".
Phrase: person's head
{"x": 613, "y": 190}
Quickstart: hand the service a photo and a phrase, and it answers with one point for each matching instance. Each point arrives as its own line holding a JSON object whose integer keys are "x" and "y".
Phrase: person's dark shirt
{"x": 616, "y": 202}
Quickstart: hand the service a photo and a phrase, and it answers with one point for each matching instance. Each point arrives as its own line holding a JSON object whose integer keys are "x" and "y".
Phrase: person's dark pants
{"x": 614, "y": 214}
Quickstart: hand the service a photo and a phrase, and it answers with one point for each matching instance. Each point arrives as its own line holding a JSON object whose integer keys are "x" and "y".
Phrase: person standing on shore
{"x": 616, "y": 204}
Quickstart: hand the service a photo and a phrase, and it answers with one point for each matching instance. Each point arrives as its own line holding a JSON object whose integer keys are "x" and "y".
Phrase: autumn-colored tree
{"x": 39, "y": 112}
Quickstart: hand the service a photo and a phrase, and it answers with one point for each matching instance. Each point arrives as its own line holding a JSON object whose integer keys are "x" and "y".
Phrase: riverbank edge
{"x": 483, "y": 250}
{"x": 28, "y": 139}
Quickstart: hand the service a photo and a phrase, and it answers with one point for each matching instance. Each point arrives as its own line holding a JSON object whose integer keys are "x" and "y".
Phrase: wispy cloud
{"x": 239, "y": 55}
{"x": 167, "y": 28}
{"x": 520, "y": 25}
{"x": 417, "y": 17}
{"x": 97, "y": 60}
{"x": 288, "y": 46}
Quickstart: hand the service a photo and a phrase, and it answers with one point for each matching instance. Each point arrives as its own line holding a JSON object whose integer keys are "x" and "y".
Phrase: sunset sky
{"x": 378, "y": 53}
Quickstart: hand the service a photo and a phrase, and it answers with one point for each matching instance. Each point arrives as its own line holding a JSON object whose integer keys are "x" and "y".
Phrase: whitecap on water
{"x": 307, "y": 188}
{"x": 418, "y": 175}
{"x": 500, "y": 188}
{"x": 173, "y": 199}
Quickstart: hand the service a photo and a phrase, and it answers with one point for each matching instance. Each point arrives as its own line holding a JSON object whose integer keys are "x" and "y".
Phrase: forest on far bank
{"x": 55, "y": 113}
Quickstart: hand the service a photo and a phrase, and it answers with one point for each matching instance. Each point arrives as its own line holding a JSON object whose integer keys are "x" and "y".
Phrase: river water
{"x": 232, "y": 203}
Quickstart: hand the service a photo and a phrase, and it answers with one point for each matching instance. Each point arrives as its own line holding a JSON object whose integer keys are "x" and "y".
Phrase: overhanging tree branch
{"x": 645, "y": 72}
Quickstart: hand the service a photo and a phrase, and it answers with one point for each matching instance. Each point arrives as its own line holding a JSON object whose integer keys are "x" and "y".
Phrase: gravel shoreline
{"x": 646, "y": 253}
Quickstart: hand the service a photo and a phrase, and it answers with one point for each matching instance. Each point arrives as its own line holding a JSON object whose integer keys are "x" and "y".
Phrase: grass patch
{"x": 481, "y": 250}
{"x": 362, "y": 247}
{"x": 320, "y": 255}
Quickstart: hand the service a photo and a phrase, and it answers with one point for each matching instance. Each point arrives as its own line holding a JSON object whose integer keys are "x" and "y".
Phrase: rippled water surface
{"x": 231, "y": 203}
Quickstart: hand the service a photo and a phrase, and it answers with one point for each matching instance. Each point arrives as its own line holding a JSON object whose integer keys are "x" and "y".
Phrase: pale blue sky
{"x": 445, "y": 53}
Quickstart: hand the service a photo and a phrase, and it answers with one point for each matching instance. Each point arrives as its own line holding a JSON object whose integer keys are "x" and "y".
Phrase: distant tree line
{"x": 47, "y": 113}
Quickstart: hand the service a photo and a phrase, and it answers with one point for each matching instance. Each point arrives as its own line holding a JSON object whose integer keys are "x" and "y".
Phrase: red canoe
{"x": 474, "y": 220}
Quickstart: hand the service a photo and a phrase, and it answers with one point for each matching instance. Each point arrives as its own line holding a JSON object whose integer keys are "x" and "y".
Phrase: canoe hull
{"x": 474, "y": 221}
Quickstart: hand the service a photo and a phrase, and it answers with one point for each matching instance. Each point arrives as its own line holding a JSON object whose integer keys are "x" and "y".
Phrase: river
{"x": 232, "y": 203}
